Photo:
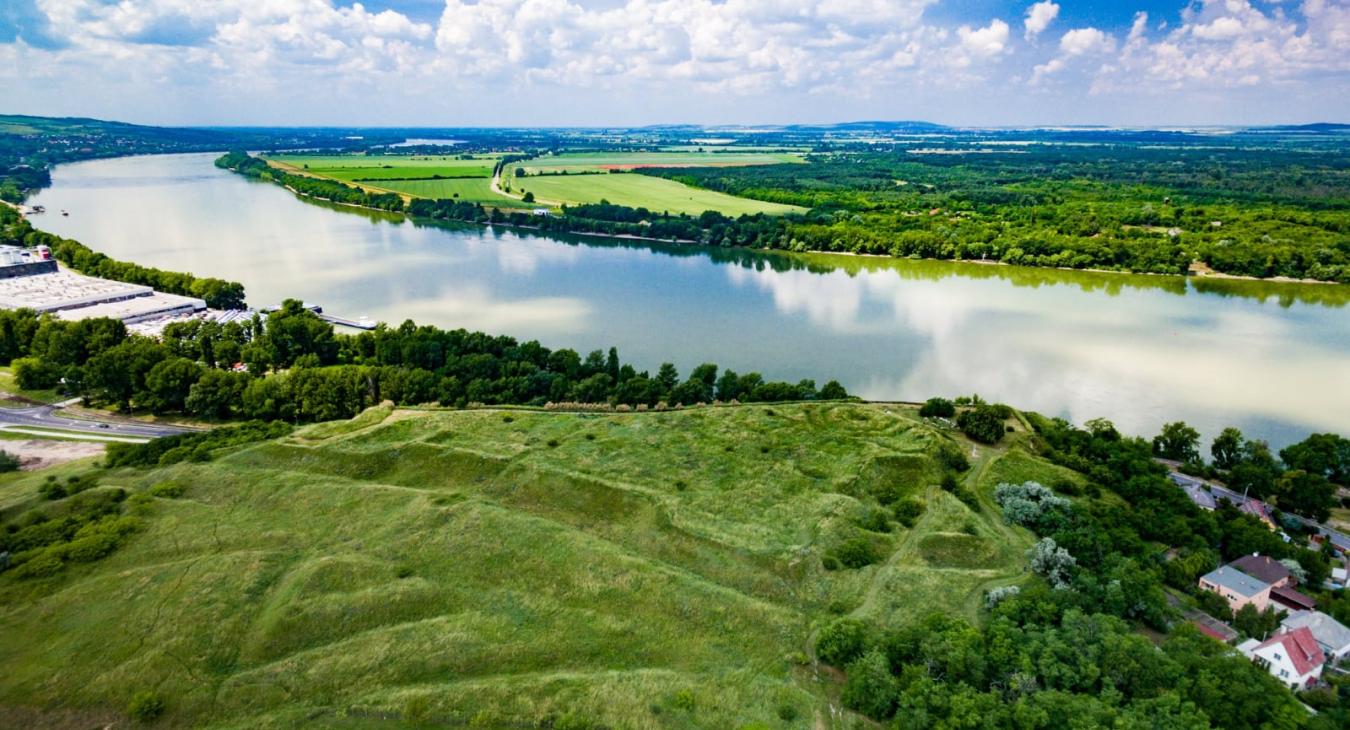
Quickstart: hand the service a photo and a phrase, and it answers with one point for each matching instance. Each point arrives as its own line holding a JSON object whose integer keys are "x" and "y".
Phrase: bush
{"x": 937, "y": 408}
{"x": 952, "y": 458}
{"x": 169, "y": 490}
{"x": 907, "y": 511}
{"x": 856, "y": 553}
{"x": 8, "y": 462}
{"x": 982, "y": 423}
{"x": 875, "y": 521}
{"x": 146, "y": 706}
{"x": 1031, "y": 505}
{"x": 842, "y": 641}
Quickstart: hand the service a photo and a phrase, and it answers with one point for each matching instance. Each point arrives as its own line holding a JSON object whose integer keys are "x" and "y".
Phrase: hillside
{"x": 509, "y": 567}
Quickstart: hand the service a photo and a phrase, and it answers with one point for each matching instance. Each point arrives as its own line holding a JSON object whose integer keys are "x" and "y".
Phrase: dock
{"x": 360, "y": 324}
{"x": 357, "y": 324}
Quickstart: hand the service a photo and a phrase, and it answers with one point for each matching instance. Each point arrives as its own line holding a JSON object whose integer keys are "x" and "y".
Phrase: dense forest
{"x": 1245, "y": 211}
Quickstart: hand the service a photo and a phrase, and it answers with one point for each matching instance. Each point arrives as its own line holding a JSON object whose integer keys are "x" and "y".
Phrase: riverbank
{"x": 1197, "y": 269}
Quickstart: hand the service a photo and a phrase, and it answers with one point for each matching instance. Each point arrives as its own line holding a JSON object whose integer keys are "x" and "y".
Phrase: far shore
{"x": 1198, "y": 269}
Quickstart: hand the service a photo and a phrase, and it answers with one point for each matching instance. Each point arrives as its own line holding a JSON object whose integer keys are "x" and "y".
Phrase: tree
{"x": 937, "y": 408}
{"x": 1052, "y": 562}
{"x": 1324, "y": 454}
{"x": 1227, "y": 448}
{"x": 168, "y": 383}
{"x": 981, "y": 423}
{"x": 870, "y": 688}
{"x": 832, "y": 390}
{"x": 1178, "y": 442}
{"x": 215, "y": 394}
{"x": 1310, "y": 495}
{"x": 529, "y": 197}
{"x": 1255, "y": 471}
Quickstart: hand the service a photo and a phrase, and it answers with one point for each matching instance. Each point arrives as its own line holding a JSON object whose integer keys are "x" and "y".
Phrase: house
{"x": 1331, "y": 635}
{"x": 1293, "y": 658}
{"x": 1238, "y": 588}
{"x": 1264, "y": 569}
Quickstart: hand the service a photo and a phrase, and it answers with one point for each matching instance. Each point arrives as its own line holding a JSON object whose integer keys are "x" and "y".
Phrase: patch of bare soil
{"x": 34, "y": 454}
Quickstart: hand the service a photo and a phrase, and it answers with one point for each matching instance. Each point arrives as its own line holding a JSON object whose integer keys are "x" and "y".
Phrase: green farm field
{"x": 361, "y": 168}
{"x": 640, "y": 191}
{"x": 593, "y": 161}
{"x": 472, "y": 190}
{"x": 505, "y": 568}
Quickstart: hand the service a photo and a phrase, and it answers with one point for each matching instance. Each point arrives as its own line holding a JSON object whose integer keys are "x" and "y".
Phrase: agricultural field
{"x": 508, "y": 568}
{"x": 639, "y": 191}
{"x": 377, "y": 168}
{"x": 574, "y": 162}
{"x": 472, "y": 190}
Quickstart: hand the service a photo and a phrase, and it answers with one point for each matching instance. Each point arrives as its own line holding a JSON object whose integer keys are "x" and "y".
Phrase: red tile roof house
{"x": 1293, "y": 658}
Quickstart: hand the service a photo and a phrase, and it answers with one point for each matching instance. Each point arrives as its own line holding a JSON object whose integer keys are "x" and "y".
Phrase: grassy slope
{"x": 454, "y": 565}
{"x": 641, "y": 191}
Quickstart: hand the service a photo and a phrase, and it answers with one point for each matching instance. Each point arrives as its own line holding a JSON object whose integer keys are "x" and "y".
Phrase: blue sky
{"x": 595, "y": 62}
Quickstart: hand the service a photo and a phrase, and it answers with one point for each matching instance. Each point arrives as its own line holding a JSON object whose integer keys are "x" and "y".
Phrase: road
{"x": 48, "y": 417}
{"x": 1339, "y": 539}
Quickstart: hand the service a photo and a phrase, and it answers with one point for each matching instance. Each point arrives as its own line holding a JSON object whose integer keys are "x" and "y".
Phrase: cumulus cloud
{"x": 1223, "y": 44}
{"x": 1081, "y": 41}
{"x": 1039, "y": 17}
{"x": 69, "y": 52}
{"x": 987, "y": 41}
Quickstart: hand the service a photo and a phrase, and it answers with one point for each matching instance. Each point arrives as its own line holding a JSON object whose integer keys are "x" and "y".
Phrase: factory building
{"x": 31, "y": 279}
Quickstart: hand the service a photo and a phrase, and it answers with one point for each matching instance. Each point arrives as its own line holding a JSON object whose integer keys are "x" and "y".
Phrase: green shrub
{"x": 907, "y": 511}
{"x": 937, "y": 408}
{"x": 169, "y": 490}
{"x": 146, "y": 706}
{"x": 982, "y": 423}
{"x": 8, "y": 462}
{"x": 683, "y": 700}
{"x": 874, "y": 520}
{"x": 42, "y": 565}
{"x": 856, "y": 552}
{"x": 842, "y": 641}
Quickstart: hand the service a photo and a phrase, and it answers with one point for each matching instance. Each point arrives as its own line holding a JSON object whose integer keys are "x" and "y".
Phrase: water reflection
{"x": 1273, "y": 359}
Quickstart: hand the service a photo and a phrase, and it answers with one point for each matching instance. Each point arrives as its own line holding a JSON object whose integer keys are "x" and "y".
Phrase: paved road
{"x": 1339, "y": 539}
{"x": 48, "y": 417}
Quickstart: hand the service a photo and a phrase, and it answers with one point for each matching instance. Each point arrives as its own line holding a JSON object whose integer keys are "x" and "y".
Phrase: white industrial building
{"x": 74, "y": 296}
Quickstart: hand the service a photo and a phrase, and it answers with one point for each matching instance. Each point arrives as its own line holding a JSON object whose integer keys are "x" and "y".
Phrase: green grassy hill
{"x": 507, "y": 568}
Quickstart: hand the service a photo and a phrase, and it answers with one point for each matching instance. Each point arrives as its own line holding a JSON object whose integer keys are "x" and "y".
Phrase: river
{"x": 1272, "y": 359}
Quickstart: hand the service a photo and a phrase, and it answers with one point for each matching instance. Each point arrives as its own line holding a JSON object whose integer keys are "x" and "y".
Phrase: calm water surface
{"x": 1272, "y": 359}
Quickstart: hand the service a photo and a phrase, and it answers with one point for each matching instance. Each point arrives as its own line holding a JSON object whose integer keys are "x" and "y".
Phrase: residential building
{"x": 1264, "y": 569}
{"x": 1331, "y": 635}
{"x": 1293, "y": 658}
{"x": 1238, "y": 588}
{"x": 1291, "y": 600}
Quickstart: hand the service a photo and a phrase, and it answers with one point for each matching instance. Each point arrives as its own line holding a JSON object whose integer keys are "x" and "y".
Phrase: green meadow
{"x": 472, "y": 190}
{"x": 506, "y": 568}
{"x": 640, "y": 191}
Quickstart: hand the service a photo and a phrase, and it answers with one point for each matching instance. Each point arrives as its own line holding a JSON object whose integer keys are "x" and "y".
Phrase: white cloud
{"x": 1039, "y": 17}
{"x": 987, "y": 41}
{"x": 1081, "y": 41}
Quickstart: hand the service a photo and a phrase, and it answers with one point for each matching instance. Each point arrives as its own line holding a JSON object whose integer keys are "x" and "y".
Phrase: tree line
{"x": 296, "y": 368}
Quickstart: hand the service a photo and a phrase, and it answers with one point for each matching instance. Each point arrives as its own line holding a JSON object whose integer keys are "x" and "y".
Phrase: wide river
{"x": 1271, "y": 359}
